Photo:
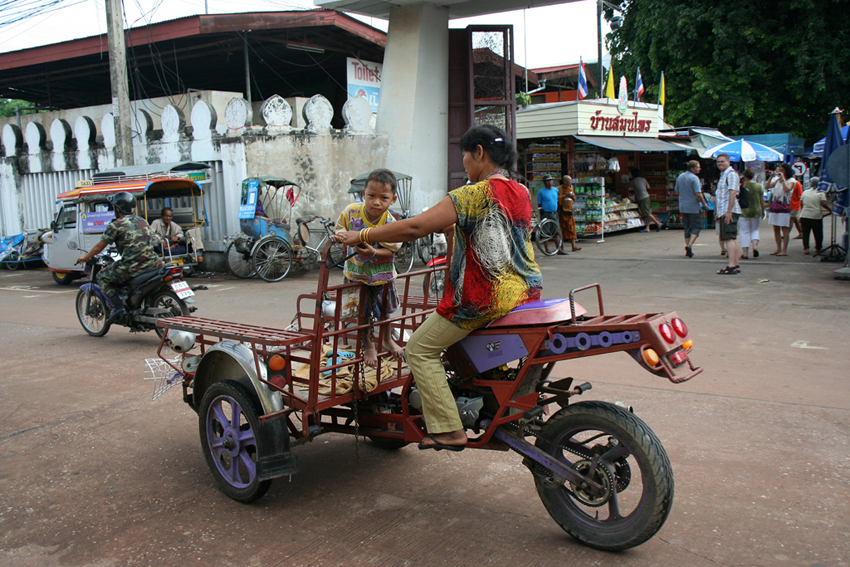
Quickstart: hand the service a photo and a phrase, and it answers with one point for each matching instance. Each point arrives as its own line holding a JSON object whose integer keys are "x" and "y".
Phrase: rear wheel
{"x": 547, "y": 237}
{"x": 169, "y": 301}
{"x": 93, "y": 319}
{"x": 617, "y": 450}
{"x": 404, "y": 257}
{"x": 228, "y": 422}
{"x": 239, "y": 263}
{"x": 62, "y": 278}
{"x": 272, "y": 258}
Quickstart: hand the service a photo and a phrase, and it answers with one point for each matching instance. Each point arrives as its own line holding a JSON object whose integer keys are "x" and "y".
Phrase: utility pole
{"x": 118, "y": 78}
{"x": 599, "y": 37}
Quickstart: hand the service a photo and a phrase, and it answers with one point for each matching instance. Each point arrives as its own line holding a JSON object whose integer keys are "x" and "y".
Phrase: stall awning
{"x": 623, "y": 143}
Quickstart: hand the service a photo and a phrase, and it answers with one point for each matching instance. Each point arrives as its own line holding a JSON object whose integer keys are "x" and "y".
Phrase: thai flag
{"x": 638, "y": 86}
{"x": 582, "y": 81}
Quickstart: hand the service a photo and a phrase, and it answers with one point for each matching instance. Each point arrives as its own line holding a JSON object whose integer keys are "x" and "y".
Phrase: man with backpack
{"x": 727, "y": 211}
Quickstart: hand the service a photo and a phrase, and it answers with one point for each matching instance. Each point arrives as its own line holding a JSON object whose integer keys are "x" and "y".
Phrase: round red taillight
{"x": 680, "y": 327}
{"x": 667, "y": 333}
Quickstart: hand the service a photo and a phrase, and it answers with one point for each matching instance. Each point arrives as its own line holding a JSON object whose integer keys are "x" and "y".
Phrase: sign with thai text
{"x": 96, "y": 222}
{"x": 364, "y": 79}
{"x": 632, "y": 122}
{"x": 248, "y": 204}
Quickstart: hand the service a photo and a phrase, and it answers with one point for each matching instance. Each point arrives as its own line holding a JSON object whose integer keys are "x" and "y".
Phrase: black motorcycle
{"x": 150, "y": 296}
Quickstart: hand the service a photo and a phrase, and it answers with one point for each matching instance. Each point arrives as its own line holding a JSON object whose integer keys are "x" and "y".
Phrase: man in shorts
{"x": 727, "y": 210}
{"x": 691, "y": 203}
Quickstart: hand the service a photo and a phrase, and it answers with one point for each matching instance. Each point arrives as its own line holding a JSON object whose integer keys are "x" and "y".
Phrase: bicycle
{"x": 336, "y": 253}
{"x": 547, "y": 236}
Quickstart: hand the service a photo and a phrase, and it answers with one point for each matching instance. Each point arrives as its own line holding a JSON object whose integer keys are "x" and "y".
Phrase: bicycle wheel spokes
{"x": 547, "y": 237}
{"x": 272, "y": 259}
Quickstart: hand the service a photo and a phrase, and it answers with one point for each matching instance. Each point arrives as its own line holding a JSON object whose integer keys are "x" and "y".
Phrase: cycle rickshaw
{"x": 265, "y": 247}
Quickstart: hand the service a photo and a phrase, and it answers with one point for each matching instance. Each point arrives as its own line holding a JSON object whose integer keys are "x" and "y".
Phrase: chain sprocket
{"x": 611, "y": 480}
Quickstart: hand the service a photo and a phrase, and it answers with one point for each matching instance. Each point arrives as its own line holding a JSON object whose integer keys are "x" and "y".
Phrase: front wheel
{"x": 548, "y": 237}
{"x": 173, "y": 306}
{"x": 272, "y": 258}
{"x": 336, "y": 255}
{"x": 616, "y": 449}
{"x": 434, "y": 284}
{"x": 239, "y": 262}
{"x": 229, "y": 421}
{"x": 92, "y": 317}
{"x": 404, "y": 257}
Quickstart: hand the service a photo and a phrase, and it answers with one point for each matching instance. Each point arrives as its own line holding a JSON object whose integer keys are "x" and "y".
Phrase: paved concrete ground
{"x": 94, "y": 473}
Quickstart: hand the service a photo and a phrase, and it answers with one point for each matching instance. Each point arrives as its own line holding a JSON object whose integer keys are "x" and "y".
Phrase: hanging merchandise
{"x": 613, "y": 164}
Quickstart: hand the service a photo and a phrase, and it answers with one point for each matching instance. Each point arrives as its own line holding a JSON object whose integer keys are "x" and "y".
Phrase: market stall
{"x": 598, "y": 143}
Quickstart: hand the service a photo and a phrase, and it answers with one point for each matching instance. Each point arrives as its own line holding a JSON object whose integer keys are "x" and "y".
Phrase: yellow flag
{"x": 609, "y": 90}
{"x": 661, "y": 94}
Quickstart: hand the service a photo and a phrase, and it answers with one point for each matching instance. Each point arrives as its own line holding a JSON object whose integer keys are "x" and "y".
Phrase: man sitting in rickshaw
{"x": 169, "y": 233}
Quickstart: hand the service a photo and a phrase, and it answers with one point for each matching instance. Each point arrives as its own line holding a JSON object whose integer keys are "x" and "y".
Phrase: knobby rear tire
{"x": 637, "y": 462}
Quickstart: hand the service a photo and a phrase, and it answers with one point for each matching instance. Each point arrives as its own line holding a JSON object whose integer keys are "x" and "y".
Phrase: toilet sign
{"x": 800, "y": 168}
{"x": 364, "y": 79}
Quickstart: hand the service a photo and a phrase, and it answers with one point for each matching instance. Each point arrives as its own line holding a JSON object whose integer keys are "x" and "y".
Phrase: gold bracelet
{"x": 366, "y": 236}
{"x": 360, "y": 235}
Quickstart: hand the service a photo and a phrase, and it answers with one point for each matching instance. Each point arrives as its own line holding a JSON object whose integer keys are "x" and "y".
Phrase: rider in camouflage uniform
{"x": 132, "y": 236}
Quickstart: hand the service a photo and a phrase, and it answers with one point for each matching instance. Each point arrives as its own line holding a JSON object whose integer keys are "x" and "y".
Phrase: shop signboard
{"x": 606, "y": 120}
{"x": 364, "y": 79}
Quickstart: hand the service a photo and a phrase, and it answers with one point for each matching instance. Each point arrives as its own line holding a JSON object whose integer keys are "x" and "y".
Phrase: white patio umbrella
{"x": 742, "y": 150}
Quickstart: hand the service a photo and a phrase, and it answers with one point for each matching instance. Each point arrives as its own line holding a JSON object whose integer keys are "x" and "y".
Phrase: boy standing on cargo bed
{"x": 373, "y": 264}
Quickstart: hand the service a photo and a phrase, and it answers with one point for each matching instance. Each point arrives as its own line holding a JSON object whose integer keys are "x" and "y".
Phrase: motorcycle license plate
{"x": 182, "y": 289}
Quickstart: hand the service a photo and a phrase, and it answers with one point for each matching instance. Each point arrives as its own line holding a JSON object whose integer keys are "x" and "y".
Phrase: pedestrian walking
{"x": 748, "y": 224}
{"x": 691, "y": 204}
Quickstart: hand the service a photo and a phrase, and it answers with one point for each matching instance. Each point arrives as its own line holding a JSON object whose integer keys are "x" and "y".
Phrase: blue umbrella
{"x": 833, "y": 140}
{"x": 742, "y": 150}
{"x": 817, "y": 149}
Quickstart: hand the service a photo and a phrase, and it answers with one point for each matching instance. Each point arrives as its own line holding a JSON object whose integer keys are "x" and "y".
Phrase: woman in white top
{"x": 781, "y": 186}
{"x": 815, "y": 206}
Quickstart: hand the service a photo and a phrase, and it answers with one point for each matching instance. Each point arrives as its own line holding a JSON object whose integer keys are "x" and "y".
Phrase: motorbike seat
{"x": 144, "y": 277}
{"x": 540, "y": 312}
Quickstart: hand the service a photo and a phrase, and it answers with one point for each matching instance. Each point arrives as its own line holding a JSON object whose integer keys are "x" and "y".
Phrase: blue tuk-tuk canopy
{"x": 787, "y": 144}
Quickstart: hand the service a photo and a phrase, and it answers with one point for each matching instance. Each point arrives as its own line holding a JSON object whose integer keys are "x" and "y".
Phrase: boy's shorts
{"x": 375, "y": 296}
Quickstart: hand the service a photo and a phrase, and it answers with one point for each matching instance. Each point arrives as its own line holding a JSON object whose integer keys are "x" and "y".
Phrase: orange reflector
{"x": 651, "y": 357}
{"x": 688, "y": 344}
{"x": 276, "y": 363}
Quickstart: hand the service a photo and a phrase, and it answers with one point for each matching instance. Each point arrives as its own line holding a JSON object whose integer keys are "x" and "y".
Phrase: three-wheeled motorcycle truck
{"x": 599, "y": 470}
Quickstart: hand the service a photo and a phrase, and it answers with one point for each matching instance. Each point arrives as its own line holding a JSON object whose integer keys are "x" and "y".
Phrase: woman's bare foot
{"x": 395, "y": 351}
{"x": 370, "y": 355}
{"x": 450, "y": 439}
{"x": 576, "y": 248}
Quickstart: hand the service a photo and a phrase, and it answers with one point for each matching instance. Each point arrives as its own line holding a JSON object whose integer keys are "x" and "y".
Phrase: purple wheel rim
{"x": 232, "y": 444}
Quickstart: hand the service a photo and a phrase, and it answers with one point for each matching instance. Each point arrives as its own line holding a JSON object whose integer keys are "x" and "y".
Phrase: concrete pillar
{"x": 413, "y": 109}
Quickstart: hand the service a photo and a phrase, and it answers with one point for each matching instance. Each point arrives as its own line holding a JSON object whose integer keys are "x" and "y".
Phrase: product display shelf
{"x": 653, "y": 168}
{"x": 674, "y": 220}
{"x": 541, "y": 159}
{"x": 623, "y": 216}
{"x": 589, "y": 207}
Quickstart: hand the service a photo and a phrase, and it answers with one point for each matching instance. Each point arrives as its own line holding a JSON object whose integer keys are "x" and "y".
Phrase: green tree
{"x": 746, "y": 67}
{"x": 8, "y": 106}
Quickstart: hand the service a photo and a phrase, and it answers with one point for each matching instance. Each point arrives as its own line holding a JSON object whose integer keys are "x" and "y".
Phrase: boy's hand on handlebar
{"x": 366, "y": 251}
{"x": 81, "y": 260}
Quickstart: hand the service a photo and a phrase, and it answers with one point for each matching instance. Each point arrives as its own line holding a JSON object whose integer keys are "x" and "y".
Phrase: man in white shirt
{"x": 727, "y": 212}
{"x": 168, "y": 231}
